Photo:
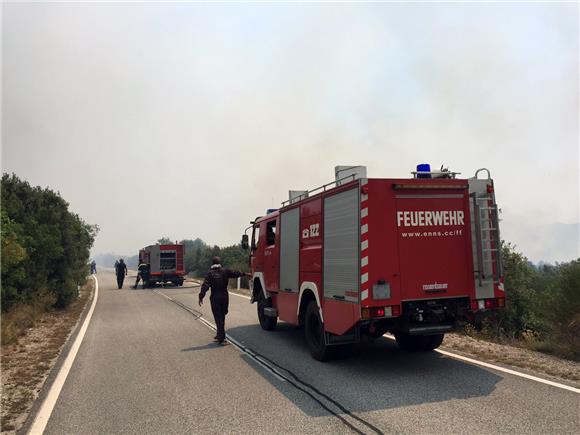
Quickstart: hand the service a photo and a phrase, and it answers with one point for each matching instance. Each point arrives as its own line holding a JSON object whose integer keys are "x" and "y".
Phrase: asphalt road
{"x": 148, "y": 365}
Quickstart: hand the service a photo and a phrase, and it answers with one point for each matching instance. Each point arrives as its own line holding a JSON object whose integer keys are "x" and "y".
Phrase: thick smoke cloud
{"x": 188, "y": 120}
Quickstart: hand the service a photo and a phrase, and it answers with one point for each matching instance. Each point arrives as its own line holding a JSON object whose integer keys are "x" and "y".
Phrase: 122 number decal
{"x": 313, "y": 231}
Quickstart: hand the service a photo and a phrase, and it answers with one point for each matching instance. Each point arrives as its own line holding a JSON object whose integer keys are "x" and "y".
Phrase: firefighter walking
{"x": 121, "y": 271}
{"x": 217, "y": 279}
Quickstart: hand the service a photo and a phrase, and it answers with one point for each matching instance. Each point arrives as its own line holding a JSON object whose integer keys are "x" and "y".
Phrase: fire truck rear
{"x": 365, "y": 256}
{"x": 166, "y": 264}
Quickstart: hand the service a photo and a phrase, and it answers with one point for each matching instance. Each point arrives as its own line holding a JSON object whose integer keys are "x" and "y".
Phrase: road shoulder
{"x": 30, "y": 366}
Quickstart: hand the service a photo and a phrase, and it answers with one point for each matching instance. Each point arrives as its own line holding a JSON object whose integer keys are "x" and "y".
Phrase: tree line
{"x": 198, "y": 256}
{"x": 45, "y": 247}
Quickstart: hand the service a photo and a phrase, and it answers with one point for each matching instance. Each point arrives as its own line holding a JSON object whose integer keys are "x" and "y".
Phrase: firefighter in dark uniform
{"x": 142, "y": 274}
{"x": 121, "y": 271}
{"x": 217, "y": 279}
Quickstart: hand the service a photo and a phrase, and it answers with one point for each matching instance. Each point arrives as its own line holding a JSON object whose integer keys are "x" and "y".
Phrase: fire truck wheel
{"x": 266, "y": 322}
{"x": 314, "y": 332}
{"x": 418, "y": 343}
{"x": 434, "y": 341}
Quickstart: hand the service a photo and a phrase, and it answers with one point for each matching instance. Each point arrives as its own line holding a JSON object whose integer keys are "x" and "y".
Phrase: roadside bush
{"x": 561, "y": 310}
{"x": 45, "y": 251}
{"x": 543, "y": 306}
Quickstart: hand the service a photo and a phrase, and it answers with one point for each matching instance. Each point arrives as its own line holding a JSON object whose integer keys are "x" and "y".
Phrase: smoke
{"x": 189, "y": 120}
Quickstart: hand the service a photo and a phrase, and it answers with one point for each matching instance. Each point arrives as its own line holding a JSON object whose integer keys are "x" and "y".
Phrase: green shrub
{"x": 45, "y": 247}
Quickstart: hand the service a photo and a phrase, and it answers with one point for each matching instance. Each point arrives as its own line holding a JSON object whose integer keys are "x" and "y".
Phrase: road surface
{"x": 148, "y": 364}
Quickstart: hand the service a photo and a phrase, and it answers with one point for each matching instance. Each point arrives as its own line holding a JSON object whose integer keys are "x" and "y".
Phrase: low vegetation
{"x": 45, "y": 251}
{"x": 543, "y": 307}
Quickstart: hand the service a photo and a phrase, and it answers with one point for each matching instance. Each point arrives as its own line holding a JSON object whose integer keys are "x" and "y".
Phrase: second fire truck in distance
{"x": 166, "y": 264}
{"x": 365, "y": 256}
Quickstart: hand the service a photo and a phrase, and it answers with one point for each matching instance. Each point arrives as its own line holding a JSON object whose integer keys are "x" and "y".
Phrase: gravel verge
{"x": 27, "y": 363}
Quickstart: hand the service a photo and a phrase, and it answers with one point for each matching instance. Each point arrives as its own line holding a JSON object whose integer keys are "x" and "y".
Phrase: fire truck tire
{"x": 418, "y": 343}
{"x": 266, "y": 322}
{"x": 314, "y": 333}
{"x": 434, "y": 341}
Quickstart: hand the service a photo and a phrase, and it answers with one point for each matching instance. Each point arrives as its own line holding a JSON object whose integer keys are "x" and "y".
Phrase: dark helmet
{"x": 216, "y": 260}
{"x": 121, "y": 260}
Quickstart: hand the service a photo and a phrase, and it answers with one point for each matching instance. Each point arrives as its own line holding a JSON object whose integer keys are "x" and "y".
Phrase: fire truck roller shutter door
{"x": 154, "y": 259}
{"x": 289, "y": 250}
{"x": 341, "y": 246}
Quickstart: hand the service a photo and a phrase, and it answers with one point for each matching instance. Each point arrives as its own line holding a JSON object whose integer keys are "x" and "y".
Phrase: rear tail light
{"x": 372, "y": 312}
{"x": 487, "y": 304}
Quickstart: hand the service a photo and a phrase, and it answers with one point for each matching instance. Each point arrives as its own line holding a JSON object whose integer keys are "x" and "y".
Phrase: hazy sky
{"x": 187, "y": 120}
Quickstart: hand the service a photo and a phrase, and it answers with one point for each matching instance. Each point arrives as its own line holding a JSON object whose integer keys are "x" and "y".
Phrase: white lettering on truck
{"x": 425, "y": 218}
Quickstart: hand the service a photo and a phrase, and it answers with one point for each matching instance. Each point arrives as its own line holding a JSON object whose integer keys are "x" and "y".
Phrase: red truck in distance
{"x": 365, "y": 256}
{"x": 166, "y": 264}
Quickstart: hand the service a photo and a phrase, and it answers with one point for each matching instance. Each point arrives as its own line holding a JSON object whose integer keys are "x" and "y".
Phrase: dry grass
{"x": 29, "y": 356}
{"x": 515, "y": 356}
{"x": 22, "y": 317}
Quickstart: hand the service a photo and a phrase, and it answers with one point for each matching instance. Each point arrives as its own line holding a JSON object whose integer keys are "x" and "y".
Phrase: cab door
{"x": 271, "y": 253}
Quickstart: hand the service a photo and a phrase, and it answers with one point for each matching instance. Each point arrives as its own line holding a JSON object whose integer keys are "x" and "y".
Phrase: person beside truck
{"x": 142, "y": 275}
{"x": 217, "y": 279}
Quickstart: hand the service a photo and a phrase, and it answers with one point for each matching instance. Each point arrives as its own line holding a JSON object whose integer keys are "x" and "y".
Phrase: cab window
{"x": 256, "y": 237}
{"x": 271, "y": 233}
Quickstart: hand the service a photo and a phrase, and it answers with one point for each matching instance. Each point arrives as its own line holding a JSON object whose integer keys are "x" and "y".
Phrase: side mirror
{"x": 245, "y": 243}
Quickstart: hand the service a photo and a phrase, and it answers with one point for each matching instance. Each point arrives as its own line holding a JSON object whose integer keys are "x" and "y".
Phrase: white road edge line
{"x": 501, "y": 369}
{"x": 47, "y": 407}
{"x": 236, "y": 344}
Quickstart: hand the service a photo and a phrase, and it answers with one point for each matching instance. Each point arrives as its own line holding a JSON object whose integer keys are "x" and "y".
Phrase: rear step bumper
{"x": 430, "y": 329}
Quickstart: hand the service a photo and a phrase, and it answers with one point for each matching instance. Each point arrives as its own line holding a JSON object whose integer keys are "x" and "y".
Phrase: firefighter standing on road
{"x": 217, "y": 279}
{"x": 121, "y": 271}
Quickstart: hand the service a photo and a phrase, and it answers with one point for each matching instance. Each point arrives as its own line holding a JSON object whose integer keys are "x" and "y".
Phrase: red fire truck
{"x": 366, "y": 256}
{"x": 165, "y": 264}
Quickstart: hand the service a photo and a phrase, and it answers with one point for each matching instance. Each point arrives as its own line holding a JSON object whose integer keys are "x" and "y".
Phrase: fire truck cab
{"x": 365, "y": 256}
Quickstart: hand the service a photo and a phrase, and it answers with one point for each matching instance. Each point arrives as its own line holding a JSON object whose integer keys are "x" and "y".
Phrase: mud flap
{"x": 351, "y": 337}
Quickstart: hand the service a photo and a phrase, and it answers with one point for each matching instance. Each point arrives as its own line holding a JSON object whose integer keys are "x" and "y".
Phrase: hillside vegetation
{"x": 45, "y": 251}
